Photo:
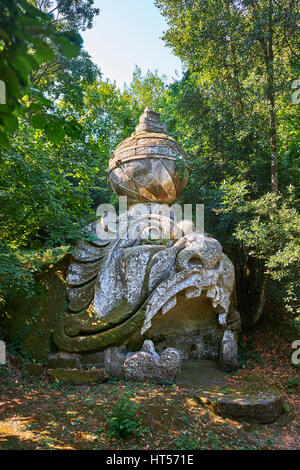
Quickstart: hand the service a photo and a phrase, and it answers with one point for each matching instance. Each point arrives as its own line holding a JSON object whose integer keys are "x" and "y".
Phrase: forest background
{"x": 235, "y": 111}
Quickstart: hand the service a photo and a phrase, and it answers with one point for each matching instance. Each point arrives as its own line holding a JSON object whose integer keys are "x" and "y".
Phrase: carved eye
{"x": 195, "y": 261}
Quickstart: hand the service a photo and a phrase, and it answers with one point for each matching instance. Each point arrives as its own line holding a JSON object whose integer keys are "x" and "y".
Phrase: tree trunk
{"x": 261, "y": 303}
{"x": 273, "y": 145}
{"x": 271, "y": 103}
{"x": 268, "y": 54}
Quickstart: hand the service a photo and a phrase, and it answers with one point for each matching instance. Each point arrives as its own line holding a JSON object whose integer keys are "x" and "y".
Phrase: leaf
{"x": 23, "y": 65}
{"x": 4, "y": 35}
{"x": 40, "y": 96}
{"x": 3, "y": 140}
{"x": 54, "y": 132}
{"x": 69, "y": 43}
{"x": 34, "y": 107}
{"x": 43, "y": 51}
{"x": 10, "y": 121}
{"x": 11, "y": 81}
{"x": 4, "y": 108}
{"x": 38, "y": 121}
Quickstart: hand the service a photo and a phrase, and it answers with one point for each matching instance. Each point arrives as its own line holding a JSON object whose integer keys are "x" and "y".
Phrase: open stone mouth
{"x": 193, "y": 282}
{"x": 123, "y": 285}
{"x": 164, "y": 298}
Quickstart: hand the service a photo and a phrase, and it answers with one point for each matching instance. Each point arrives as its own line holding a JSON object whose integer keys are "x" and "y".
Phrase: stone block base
{"x": 78, "y": 377}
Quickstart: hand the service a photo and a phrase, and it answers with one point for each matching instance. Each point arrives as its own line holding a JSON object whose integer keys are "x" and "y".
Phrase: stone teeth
{"x": 193, "y": 292}
{"x": 145, "y": 327}
{"x": 223, "y": 320}
{"x": 215, "y": 295}
{"x": 210, "y": 293}
{"x": 169, "y": 304}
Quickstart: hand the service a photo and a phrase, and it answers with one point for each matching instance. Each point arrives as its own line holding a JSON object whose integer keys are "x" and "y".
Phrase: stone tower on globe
{"x": 143, "y": 279}
{"x": 149, "y": 166}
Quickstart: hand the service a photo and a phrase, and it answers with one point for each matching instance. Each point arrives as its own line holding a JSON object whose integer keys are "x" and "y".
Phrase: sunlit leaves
{"x": 30, "y": 39}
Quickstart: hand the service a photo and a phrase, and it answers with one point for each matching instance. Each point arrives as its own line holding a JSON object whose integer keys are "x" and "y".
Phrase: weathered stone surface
{"x": 64, "y": 360}
{"x": 261, "y": 408}
{"x": 228, "y": 352}
{"x": 30, "y": 321}
{"x": 131, "y": 287}
{"x": 101, "y": 341}
{"x": 233, "y": 319}
{"x": 78, "y": 377}
{"x": 80, "y": 297}
{"x": 195, "y": 376}
{"x": 149, "y": 121}
{"x": 114, "y": 361}
{"x": 93, "y": 359}
{"x": 200, "y": 251}
{"x": 37, "y": 370}
{"x": 85, "y": 251}
{"x": 191, "y": 327}
{"x": 149, "y": 166}
{"x": 98, "y": 234}
{"x": 148, "y": 365}
{"x": 144, "y": 279}
{"x": 148, "y": 347}
{"x": 79, "y": 273}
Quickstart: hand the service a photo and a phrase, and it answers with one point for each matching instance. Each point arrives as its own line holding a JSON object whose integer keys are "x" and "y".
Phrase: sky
{"x": 128, "y": 33}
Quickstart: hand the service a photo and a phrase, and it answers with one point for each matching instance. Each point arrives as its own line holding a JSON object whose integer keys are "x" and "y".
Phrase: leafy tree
{"x": 146, "y": 91}
{"x": 69, "y": 14}
{"x": 269, "y": 230}
{"x": 50, "y": 190}
{"x": 233, "y": 113}
{"x": 229, "y": 40}
{"x": 27, "y": 39}
{"x": 59, "y": 76}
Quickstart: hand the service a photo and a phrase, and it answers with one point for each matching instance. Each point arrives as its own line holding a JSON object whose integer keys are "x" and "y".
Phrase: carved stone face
{"x": 119, "y": 287}
{"x": 147, "y": 282}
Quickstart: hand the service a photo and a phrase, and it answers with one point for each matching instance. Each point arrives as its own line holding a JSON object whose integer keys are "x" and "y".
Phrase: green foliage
{"x": 243, "y": 354}
{"x": 44, "y": 191}
{"x": 4, "y": 372}
{"x": 213, "y": 442}
{"x": 28, "y": 38}
{"x": 220, "y": 111}
{"x": 148, "y": 91}
{"x": 270, "y": 232}
{"x": 69, "y": 121}
{"x": 186, "y": 441}
{"x": 61, "y": 76}
{"x": 70, "y": 15}
{"x": 18, "y": 267}
{"x": 15, "y": 274}
{"x": 125, "y": 421}
{"x": 292, "y": 382}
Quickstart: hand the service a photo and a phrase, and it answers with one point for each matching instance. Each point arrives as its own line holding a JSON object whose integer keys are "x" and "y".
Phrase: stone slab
{"x": 260, "y": 408}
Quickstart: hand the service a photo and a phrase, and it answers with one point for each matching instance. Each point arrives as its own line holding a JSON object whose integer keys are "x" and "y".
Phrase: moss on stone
{"x": 78, "y": 376}
{"x": 100, "y": 341}
{"x": 37, "y": 370}
{"x": 29, "y": 322}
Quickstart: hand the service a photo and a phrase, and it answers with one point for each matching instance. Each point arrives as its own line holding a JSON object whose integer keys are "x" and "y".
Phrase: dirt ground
{"x": 35, "y": 414}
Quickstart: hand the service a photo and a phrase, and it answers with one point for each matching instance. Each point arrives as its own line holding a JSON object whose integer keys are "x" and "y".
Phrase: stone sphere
{"x": 149, "y": 166}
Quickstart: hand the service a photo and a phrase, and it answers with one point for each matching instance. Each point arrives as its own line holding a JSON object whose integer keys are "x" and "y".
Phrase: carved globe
{"x": 149, "y": 166}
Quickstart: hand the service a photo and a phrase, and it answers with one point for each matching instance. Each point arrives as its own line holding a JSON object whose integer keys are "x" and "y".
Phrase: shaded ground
{"x": 35, "y": 414}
